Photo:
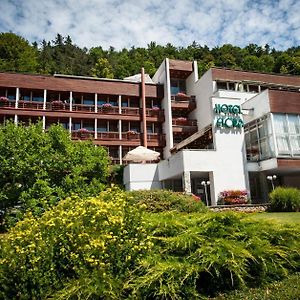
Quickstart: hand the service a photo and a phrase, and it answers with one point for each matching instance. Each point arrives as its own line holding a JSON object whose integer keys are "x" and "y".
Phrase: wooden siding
{"x": 284, "y": 101}
{"x": 234, "y": 75}
{"x": 288, "y": 163}
{"x": 181, "y": 65}
{"x": 52, "y": 83}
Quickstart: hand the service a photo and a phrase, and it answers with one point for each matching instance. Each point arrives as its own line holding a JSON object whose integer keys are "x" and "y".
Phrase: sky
{"x": 128, "y": 23}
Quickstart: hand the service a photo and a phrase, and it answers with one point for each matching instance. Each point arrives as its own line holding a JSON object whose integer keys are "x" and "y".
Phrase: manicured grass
{"x": 282, "y": 217}
{"x": 287, "y": 289}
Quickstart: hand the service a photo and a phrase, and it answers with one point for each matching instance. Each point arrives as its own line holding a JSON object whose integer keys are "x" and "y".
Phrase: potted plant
{"x": 83, "y": 133}
{"x": 3, "y": 101}
{"x": 57, "y": 105}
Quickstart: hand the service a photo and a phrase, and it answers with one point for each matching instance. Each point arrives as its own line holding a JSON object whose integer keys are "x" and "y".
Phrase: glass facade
{"x": 259, "y": 139}
{"x": 287, "y": 132}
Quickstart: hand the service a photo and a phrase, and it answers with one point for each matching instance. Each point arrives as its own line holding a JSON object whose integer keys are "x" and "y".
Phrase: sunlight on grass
{"x": 282, "y": 217}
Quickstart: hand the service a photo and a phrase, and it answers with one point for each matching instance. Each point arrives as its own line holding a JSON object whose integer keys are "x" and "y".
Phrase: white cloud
{"x": 136, "y": 23}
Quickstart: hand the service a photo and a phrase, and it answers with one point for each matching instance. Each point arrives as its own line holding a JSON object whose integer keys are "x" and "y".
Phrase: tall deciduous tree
{"x": 39, "y": 168}
{"x": 16, "y": 54}
{"x": 103, "y": 69}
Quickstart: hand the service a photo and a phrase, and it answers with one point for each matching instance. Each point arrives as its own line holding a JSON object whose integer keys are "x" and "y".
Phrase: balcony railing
{"x": 30, "y": 105}
{"x": 184, "y": 122}
{"x": 108, "y": 110}
{"x": 82, "y": 135}
{"x": 57, "y": 105}
{"x": 183, "y": 102}
{"x": 134, "y": 111}
{"x": 83, "y": 107}
{"x": 131, "y": 136}
{"x": 8, "y": 104}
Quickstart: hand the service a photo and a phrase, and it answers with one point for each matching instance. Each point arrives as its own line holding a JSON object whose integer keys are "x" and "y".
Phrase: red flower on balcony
{"x": 155, "y": 108}
{"x": 132, "y": 132}
{"x": 182, "y": 95}
{"x": 3, "y": 99}
{"x": 182, "y": 119}
{"x": 83, "y": 130}
{"x": 106, "y": 105}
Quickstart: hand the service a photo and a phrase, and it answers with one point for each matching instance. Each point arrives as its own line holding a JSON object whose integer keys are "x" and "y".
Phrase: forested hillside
{"x": 61, "y": 55}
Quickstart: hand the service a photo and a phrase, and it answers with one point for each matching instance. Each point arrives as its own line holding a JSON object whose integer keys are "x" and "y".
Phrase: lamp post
{"x": 272, "y": 178}
{"x": 205, "y": 184}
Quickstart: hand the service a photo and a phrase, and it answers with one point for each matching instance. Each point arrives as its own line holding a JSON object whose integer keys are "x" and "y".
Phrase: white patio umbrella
{"x": 140, "y": 154}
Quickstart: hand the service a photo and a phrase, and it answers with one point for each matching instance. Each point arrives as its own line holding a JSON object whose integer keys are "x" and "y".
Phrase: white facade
{"x": 225, "y": 164}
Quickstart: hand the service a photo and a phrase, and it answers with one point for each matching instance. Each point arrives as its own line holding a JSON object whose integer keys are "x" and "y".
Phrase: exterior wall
{"x": 162, "y": 76}
{"x": 203, "y": 89}
{"x": 284, "y": 102}
{"x": 243, "y": 96}
{"x": 77, "y": 84}
{"x": 141, "y": 177}
{"x": 235, "y": 75}
{"x": 257, "y": 106}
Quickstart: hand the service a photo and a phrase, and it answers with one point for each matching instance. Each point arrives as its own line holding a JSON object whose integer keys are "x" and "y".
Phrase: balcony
{"x": 130, "y": 138}
{"x": 82, "y": 134}
{"x": 57, "y": 105}
{"x": 183, "y": 125}
{"x": 7, "y": 103}
{"x": 83, "y": 107}
{"x": 30, "y": 105}
{"x": 131, "y": 111}
{"x": 183, "y": 102}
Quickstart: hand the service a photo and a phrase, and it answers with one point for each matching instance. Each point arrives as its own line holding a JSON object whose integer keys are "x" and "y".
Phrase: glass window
{"x": 88, "y": 102}
{"x": 222, "y": 85}
{"x": 258, "y": 139}
{"x": 177, "y": 86}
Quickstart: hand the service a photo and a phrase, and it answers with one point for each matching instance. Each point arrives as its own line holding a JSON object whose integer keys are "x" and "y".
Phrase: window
{"x": 178, "y": 86}
{"x": 222, "y": 85}
{"x": 287, "y": 131}
{"x": 258, "y": 139}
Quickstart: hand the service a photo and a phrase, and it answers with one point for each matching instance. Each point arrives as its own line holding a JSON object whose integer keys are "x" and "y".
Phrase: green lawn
{"x": 282, "y": 217}
{"x": 287, "y": 289}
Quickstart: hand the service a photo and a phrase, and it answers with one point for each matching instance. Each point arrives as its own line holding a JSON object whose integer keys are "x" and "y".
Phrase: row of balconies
{"x": 131, "y": 136}
{"x": 103, "y": 109}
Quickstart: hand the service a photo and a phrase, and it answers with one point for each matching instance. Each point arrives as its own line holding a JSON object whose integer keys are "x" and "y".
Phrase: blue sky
{"x": 129, "y": 23}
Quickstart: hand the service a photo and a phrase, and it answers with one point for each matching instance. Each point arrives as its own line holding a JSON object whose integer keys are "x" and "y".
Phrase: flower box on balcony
{"x": 57, "y": 105}
{"x": 83, "y": 133}
{"x": 156, "y": 108}
{"x": 181, "y": 121}
{"x": 182, "y": 96}
{"x": 106, "y": 105}
{"x": 3, "y": 101}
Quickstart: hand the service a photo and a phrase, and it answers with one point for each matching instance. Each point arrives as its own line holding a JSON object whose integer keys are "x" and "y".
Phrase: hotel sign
{"x": 228, "y": 116}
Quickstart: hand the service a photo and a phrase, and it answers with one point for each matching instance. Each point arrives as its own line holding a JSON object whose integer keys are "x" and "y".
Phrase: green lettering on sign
{"x": 228, "y": 116}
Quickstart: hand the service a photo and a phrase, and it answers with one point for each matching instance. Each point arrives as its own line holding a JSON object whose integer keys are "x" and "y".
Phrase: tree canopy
{"x": 39, "y": 168}
{"x": 61, "y": 55}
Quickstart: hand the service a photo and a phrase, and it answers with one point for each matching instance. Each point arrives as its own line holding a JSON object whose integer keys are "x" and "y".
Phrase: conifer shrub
{"x": 285, "y": 199}
{"x": 205, "y": 254}
{"x": 164, "y": 200}
{"x": 94, "y": 241}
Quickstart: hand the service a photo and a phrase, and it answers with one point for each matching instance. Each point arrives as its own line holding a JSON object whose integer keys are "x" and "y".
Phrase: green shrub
{"x": 96, "y": 240}
{"x": 39, "y": 168}
{"x": 165, "y": 200}
{"x": 285, "y": 199}
{"x": 204, "y": 254}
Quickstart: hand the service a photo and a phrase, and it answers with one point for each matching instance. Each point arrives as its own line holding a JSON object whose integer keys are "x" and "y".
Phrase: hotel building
{"x": 229, "y": 128}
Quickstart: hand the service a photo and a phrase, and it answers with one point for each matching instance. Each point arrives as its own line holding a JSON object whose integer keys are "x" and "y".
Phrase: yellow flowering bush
{"x": 102, "y": 234}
